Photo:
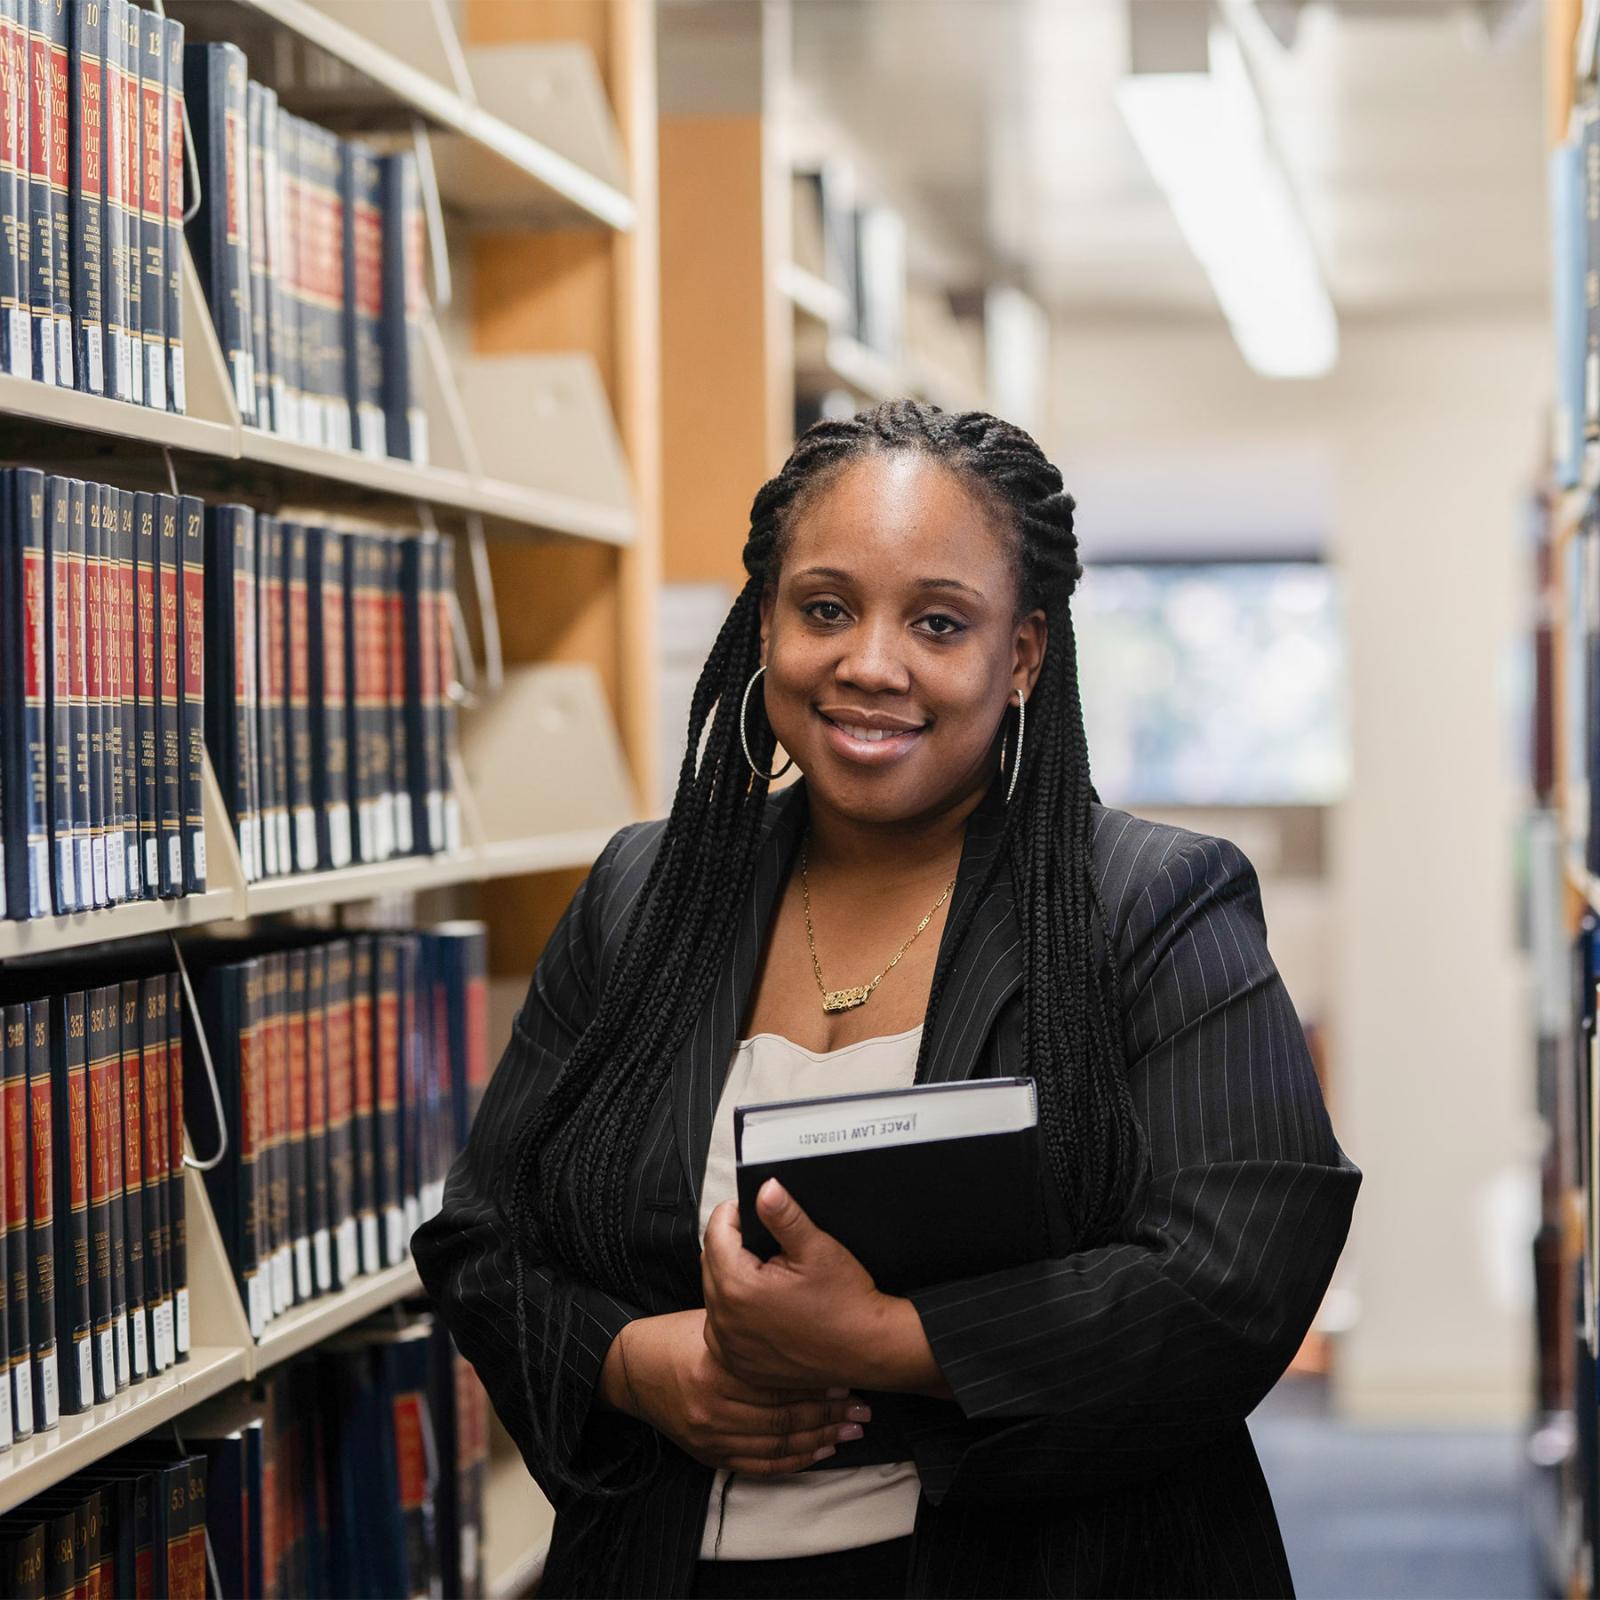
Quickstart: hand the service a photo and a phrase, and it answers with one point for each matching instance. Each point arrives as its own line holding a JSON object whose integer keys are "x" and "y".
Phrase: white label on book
{"x": 244, "y": 388}
{"x": 120, "y": 1328}
{"x": 97, "y": 865}
{"x": 198, "y": 840}
{"x": 828, "y": 1125}
{"x": 107, "y": 1363}
{"x": 175, "y": 858}
{"x": 86, "y": 871}
{"x": 349, "y": 1252}
{"x": 180, "y": 394}
{"x": 116, "y": 877}
{"x": 64, "y": 364}
{"x": 394, "y": 1234}
{"x": 369, "y": 1242}
{"x": 23, "y": 1373}
{"x": 141, "y": 1346}
{"x": 21, "y": 342}
{"x": 164, "y": 1332}
{"x": 435, "y": 820}
{"x": 305, "y": 838}
{"x": 419, "y": 435}
{"x": 255, "y": 1304}
{"x": 322, "y": 1254}
{"x": 39, "y": 869}
{"x": 69, "y": 873}
{"x": 136, "y": 366}
{"x": 84, "y": 1352}
{"x": 402, "y": 825}
{"x": 96, "y": 363}
{"x": 152, "y": 863}
{"x": 181, "y": 1321}
{"x": 339, "y": 834}
{"x": 302, "y": 1269}
{"x": 50, "y": 1389}
{"x": 452, "y": 823}
{"x": 281, "y": 1286}
{"x": 5, "y": 1427}
{"x": 155, "y": 377}
{"x": 135, "y": 877}
{"x": 469, "y": 1557}
{"x": 47, "y": 349}
{"x": 285, "y": 843}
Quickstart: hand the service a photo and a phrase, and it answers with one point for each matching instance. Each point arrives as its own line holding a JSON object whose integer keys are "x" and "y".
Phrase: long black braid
{"x": 565, "y": 1188}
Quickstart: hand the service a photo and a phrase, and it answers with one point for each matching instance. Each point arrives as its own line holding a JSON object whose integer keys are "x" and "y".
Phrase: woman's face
{"x": 891, "y": 641}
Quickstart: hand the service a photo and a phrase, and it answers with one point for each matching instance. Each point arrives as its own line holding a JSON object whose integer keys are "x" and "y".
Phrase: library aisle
{"x": 384, "y": 393}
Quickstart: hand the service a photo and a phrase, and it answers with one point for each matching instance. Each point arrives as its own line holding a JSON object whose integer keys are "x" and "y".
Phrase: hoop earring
{"x": 744, "y": 706}
{"x": 1016, "y": 760}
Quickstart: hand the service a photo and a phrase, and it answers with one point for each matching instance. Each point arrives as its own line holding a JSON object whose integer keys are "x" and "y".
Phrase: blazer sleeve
{"x": 1083, "y": 1372}
{"x": 465, "y": 1253}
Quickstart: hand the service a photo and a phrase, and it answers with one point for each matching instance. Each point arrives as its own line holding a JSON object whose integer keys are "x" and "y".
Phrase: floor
{"x": 1413, "y": 1513}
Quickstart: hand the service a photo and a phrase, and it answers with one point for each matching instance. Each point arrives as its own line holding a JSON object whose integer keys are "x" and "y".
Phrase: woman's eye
{"x": 941, "y": 626}
{"x": 825, "y": 610}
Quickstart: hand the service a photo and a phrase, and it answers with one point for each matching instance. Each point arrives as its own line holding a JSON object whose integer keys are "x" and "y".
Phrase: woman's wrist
{"x": 897, "y": 1356}
{"x": 617, "y": 1377}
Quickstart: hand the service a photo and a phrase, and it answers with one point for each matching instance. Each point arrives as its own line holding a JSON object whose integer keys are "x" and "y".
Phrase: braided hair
{"x": 567, "y": 1179}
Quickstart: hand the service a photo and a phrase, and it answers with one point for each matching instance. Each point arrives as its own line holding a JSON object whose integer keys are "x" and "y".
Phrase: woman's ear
{"x": 1033, "y": 636}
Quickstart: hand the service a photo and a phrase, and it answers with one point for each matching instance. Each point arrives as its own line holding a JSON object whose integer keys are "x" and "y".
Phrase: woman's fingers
{"x": 767, "y": 1421}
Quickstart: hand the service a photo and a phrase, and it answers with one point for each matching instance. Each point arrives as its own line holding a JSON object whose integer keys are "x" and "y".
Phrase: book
{"x": 16, "y": 325}
{"x": 191, "y": 516}
{"x": 125, "y": 16}
{"x": 922, "y": 1185}
{"x": 157, "y": 1225}
{"x": 364, "y": 1120}
{"x": 178, "y": 1241}
{"x": 297, "y": 677}
{"x": 343, "y": 1211}
{"x": 41, "y": 1218}
{"x": 147, "y": 694}
{"x": 62, "y": 794}
{"x": 174, "y": 120}
{"x": 113, "y": 163}
{"x": 387, "y": 1072}
{"x": 56, "y": 29}
{"x": 169, "y": 722}
{"x": 214, "y": 80}
{"x": 6, "y": 1427}
{"x": 272, "y": 718}
{"x": 361, "y": 190}
{"x": 115, "y": 1101}
{"x": 398, "y": 688}
{"x": 278, "y": 1092}
{"x": 427, "y": 779}
{"x": 328, "y": 694}
{"x": 447, "y": 677}
{"x": 318, "y": 1220}
{"x": 152, "y": 199}
{"x": 133, "y": 1171}
{"x": 24, "y": 717}
{"x": 404, "y": 305}
{"x": 35, "y": 22}
{"x": 18, "y": 1249}
{"x": 86, "y": 819}
{"x": 94, "y": 695}
{"x": 74, "y": 1295}
{"x": 230, "y": 708}
{"x": 283, "y": 221}
{"x": 256, "y": 209}
{"x": 290, "y": 1005}
{"x": 98, "y": 1063}
{"x": 281, "y": 332}
{"x": 128, "y": 675}
{"x": 88, "y": 170}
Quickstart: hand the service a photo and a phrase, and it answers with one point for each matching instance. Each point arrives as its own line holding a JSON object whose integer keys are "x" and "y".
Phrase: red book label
{"x": 169, "y": 633}
{"x": 16, "y": 1108}
{"x": 59, "y": 126}
{"x": 125, "y": 590}
{"x": 9, "y": 90}
{"x": 300, "y": 656}
{"x": 175, "y": 151}
{"x": 175, "y": 1106}
{"x": 367, "y": 228}
{"x": 194, "y": 639}
{"x": 132, "y": 1131}
{"x": 34, "y": 624}
{"x": 243, "y": 636}
{"x": 39, "y": 122}
{"x": 100, "y": 1121}
{"x": 150, "y": 183}
{"x": 97, "y": 627}
{"x": 316, "y": 1073}
{"x": 338, "y": 1065}
{"x": 410, "y": 1461}
{"x": 102, "y": 105}
{"x": 388, "y": 1052}
{"x": 77, "y": 620}
{"x": 43, "y": 1185}
{"x": 297, "y": 1073}
{"x": 361, "y": 1032}
{"x": 233, "y": 139}
{"x": 77, "y": 1129}
{"x": 249, "y": 1126}
{"x": 130, "y": 122}
{"x": 275, "y": 619}
{"x": 477, "y": 1032}
{"x": 155, "y": 1095}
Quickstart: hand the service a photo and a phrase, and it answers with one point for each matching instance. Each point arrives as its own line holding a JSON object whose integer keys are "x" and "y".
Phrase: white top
{"x": 806, "y": 1513}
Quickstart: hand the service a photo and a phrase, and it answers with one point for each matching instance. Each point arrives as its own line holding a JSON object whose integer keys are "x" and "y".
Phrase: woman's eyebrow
{"x": 839, "y": 575}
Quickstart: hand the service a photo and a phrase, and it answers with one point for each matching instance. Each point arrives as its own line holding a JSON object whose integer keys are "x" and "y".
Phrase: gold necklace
{"x": 848, "y": 999}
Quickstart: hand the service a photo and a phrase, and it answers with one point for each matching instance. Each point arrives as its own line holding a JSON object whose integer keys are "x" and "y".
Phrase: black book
{"x": 404, "y": 303}
{"x": 297, "y": 678}
{"x": 62, "y": 793}
{"x": 19, "y": 1341}
{"x": 319, "y": 1217}
{"x": 74, "y": 1302}
{"x": 358, "y": 680}
{"x": 56, "y": 29}
{"x": 128, "y": 719}
{"x": 100, "y": 1057}
{"x": 230, "y": 706}
{"x": 320, "y": 177}
{"x": 178, "y": 1224}
{"x": 424, "y": 727}
{"x": 152, "y": 257}
{"x": 394, "y": 615}
{"x": 22, "y": 1559}
{"x": 85, "y": 818}
{"x": 328, "y": 695}
{"x": 307, "y": 222}
{"x": 361, "y": 195}
{"x": 99, "y": 538}
{"x": 411, "y": 1084}
{"x": 24, "y": 683}
{"x": 133, "y": 1166}
{"x": 256, "y": 205}
{"x": 90, "y": 121}
{"x": 214, "y": 80}
{"x": 288, "y": 1004}
{"x": 279, "y": 1182}
{"x": 41, "y": 1218}
{"x": 115, "y": 1104}
{"x": 282, "y": 332}
{"x": 16, "y": 325}
{"x": 147, "y": 696}
{"x": 284, "y": 246}
{"x": 272, "y": 730}
{"x": 169, "y": 720}
{"x": 192, "y": 652}
{"x": 364, "y": 1103}
{"x": 7, "y": 1430}
{"x": 447, "y": 672}
{"x": 115, "y": 236}
{"x": 387, "y": 1049}
{"x": 341, "y": 1105}
{"x": 173, "y": 126}
{"x": 125, "y": 22}
{"x": 117, "y": 830}
{"x": 43, "y": 152}
{"x": 922, "y": 1185}
{"x": 157, "y": 1231}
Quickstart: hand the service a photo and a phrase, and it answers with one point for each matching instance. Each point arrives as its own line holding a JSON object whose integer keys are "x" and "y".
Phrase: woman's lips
{"x": 870, "y": 747}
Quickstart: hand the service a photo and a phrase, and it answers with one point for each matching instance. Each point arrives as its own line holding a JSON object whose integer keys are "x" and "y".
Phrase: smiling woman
{"x": 707, "y": 1423}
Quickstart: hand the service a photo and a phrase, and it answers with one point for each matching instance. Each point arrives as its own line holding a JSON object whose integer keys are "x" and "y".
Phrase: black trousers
{"x": 873, "y": 1572}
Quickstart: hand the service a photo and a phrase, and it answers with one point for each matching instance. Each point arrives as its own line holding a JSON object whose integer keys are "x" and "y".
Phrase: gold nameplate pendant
{"x": 845, "y": 999}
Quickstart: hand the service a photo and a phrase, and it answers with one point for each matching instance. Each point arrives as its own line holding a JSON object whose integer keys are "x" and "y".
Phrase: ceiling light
{"x": 1202, "y": 136}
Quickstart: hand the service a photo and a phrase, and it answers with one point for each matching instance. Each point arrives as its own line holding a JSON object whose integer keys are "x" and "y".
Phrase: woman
{"x": 709, "y": 1424}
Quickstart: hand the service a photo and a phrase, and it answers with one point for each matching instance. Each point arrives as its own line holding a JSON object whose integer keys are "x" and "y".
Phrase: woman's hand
{"x": 811, "y": 1317}
{"x": 662, "y": 1371}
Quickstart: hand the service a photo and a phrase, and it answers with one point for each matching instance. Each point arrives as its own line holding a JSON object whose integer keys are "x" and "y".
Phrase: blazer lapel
{"x": 983, "y": 972}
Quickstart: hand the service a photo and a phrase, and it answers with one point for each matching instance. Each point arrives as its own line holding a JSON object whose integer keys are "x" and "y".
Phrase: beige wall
{"x": 1411, "y": 459}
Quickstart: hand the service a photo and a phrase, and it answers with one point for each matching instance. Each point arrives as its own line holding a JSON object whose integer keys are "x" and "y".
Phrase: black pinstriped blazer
{"x": 1097, "y": 1443}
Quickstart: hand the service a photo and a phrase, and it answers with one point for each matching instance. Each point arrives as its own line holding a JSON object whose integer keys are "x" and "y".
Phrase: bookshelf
{"x": 537, "y": 118}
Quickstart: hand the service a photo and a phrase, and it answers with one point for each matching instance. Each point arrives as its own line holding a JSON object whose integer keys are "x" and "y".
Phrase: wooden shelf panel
{"x": 405, "y": 875}
{"x": 27, "y": 406}
{"x": 34, "y": 1464}
{"x": 305, "y": 1325}
{"x": 517, "y": 1522}
{"x": 46, "y": 934}
{"x": 812, "y": 296}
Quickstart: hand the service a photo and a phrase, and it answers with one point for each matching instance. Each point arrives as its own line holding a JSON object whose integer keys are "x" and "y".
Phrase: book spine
{"x": 330, "y": 772}
{"x": 192, "y": 611}
{"x": 275, "y": 670}
{"x": 375, "y": 604}
{"x": 214, "y": 84}
{"x": 74, "y": 1309}
{"x": 273, "y": 245}
{"x": 424, "y": 753}
{"x": 256, "y": 199}
{"x": 280, "y": 1234}
{"x": 297, "y": 672}
{"x": 97, "y": 1093}
{"x": 169, "y": 722}
{"x": 404, "y": 1364}
{"x": 269, "y": 700}
{"x": 56, "y": 24}
{"x": 413, "y": 1084}
{"x": 41, "y": 228}
{"x": 152, "y": 207}
{"x": 84, "y": 819}
{"x": 41, "y": 1217}
{"x": 14, "y": 1109}
{"x": 147, "y": 698}
{"x": 230, "y": 585}
{"x": 24, "y": 717}
{"x": 318, "y": 1215}
{"x": 58, "y": 711}
{"x": 355, "y": 672}
{"x": 247, "y": 602}
{"x": 462, "y": 965}
{"x": 115, "y": 234}
{"x": 341, "y": 1092}
{"x": 447, "y": 704}
{"x": 387, "y": 1052}
{"x": 363, "y": 298}
{"x": 252, "y": 1253}
{"x": 116, "y": 766}
{"x": 127, "y": 18}
{"x": 173, "y": 132}
{"x": 119, "y": 1237}
{"x": 132, "y": 788}
{"x": 157, "y": 1232}
{"x": 364, "y": 1123}
{"x": 400, "y": 805}
{"x": 404, "y": 302}
{"x": 307, "y": 219}
{"x": 133, "y": 1164}
{"x": 176, "y": 1205}
{"x": 283, "y": 258}
{"x": 88, "y": 177}
{"x": 94, "y": 496}
{"x": 294, "y": 1124}
{"x": 16, "y": 326}
{"x": 337, "y": 357}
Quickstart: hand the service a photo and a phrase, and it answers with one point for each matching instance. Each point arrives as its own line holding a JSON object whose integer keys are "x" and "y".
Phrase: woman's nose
{"x": 872, "y": 661}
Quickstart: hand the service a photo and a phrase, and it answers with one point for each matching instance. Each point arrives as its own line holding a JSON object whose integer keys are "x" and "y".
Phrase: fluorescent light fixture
{"x": 1203, "y": 138}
